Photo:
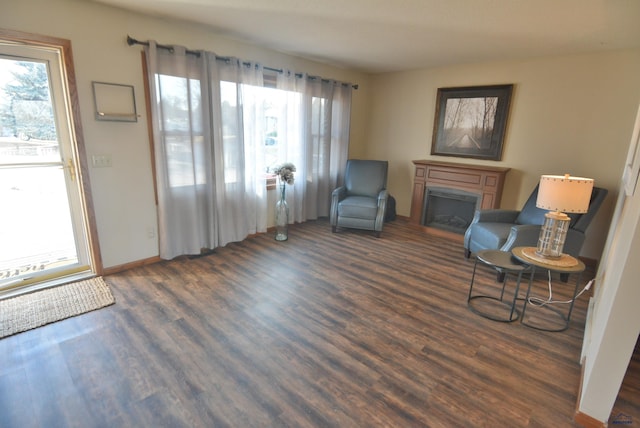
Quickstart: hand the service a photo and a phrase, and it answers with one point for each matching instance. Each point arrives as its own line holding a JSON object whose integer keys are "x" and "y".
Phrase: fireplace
{"x": 449, "y": 209}
{"x": 446, "y": 194}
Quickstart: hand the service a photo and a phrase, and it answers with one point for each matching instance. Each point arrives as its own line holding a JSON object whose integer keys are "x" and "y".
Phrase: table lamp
{"x": 560, "y": 195}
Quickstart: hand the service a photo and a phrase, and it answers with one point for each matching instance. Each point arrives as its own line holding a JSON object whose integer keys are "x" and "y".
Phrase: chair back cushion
{"x": 581, "y": 221}
{"x": 365, "y": 177}
{"x": 530, "y": 214}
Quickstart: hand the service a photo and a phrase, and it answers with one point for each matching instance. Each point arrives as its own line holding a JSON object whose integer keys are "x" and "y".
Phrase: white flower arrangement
{"x": 285, "y": 172}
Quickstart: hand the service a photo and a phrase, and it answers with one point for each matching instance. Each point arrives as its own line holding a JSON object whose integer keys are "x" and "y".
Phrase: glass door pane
{"x": 42, "y": 233}
{"x": 35, "y": 226}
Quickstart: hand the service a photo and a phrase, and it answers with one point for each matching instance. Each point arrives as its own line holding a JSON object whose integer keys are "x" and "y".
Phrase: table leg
{"x": 515, "y": 296}
{"x": 573, "y": 299}
{"x": 513, "y": 313}
{"x": 566, "y": 319}
{"x": 473, "y": 277}
{"x": 526, "y": 299}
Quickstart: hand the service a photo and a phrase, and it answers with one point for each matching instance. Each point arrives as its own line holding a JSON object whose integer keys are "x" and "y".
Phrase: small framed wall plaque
{"x": 114, "y": 102}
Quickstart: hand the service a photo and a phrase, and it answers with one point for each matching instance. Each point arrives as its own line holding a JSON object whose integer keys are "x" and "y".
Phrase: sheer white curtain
{"x": 207, "y": 150}
{"x": 209, "y": 127}
{"x": 239, "y": 167}
{"x": 314, "y": 136}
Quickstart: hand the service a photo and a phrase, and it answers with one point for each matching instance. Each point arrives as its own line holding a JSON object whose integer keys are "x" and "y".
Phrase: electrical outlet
{"x": 101, "y": 161}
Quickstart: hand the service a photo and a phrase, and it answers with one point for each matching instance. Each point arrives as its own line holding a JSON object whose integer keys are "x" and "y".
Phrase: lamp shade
{"x": 564, "y": 193}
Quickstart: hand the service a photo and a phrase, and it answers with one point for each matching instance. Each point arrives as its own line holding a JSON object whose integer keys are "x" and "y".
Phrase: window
{"x": 219, "y": 126}
{"x": 181, "y": 129}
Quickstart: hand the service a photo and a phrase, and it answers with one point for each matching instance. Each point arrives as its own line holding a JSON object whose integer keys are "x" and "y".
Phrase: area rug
{"x": 36, "y": 309}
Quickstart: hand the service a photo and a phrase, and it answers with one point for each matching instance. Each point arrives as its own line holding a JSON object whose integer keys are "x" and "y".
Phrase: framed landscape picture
{"x": 471, "y": 121}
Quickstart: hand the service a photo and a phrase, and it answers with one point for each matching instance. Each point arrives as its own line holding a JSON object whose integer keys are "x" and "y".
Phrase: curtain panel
{"x": 315, "y": 137}
{"x": 209, "y": 120}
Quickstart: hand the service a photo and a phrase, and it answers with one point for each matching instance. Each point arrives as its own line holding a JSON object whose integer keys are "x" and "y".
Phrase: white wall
{"x": 616, "y": 320}
{"x": 611, "y": 334}
{"x": 123, "y": 194}
{"x": 569, "y": 114}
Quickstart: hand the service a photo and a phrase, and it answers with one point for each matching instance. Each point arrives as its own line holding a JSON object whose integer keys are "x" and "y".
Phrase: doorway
{"x": 45, "y": 231}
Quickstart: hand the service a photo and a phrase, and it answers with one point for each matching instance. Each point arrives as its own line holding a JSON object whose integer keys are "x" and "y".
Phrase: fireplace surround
{"x": 446, "y": 195}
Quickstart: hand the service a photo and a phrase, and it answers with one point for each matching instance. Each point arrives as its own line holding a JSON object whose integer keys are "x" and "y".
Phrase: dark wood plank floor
{"x": 322, "y": 330}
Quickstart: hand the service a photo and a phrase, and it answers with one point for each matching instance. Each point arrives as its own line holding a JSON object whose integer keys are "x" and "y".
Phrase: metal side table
{"x": 567, "y": 265}
{"x": 502, "y": 261}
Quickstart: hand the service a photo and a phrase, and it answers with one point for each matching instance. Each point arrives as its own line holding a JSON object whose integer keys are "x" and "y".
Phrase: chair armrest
{"x": 495, "y": 216}
{"x": 339, "y": 192}
{"x": 336, "y": 196}
{"x": 383, "y": 196}
{"x": 522, "y": 235}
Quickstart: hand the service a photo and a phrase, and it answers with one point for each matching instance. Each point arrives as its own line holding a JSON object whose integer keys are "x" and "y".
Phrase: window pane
{"x": 27, "y": 126}
{"x": 180, "y": 100}
{"x": 185, "y": 160}
{"x": 179, "y": 160}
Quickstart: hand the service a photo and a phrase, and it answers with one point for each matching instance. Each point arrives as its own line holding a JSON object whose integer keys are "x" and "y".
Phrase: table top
{"x": 501, "y": 259}
{"x": 567, "y": 264}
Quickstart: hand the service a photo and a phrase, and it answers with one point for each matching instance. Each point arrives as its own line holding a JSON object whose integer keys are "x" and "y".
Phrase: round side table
{"x": 565, "y": 265}
{"x": 503, "y": 262}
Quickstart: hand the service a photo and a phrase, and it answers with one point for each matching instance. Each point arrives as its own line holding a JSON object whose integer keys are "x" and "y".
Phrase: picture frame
{"x": 471, "y": 121}
{"x": 114, "y": 102}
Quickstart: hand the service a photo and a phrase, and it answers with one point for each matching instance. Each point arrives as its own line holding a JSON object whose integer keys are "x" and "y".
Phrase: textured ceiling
{"x": 392, "y": 35}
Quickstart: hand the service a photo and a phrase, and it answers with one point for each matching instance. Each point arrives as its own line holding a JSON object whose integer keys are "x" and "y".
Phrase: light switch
{"x": 101, "y": 161}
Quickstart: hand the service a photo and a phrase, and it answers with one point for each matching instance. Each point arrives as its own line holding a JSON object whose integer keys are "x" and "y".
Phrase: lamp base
{"x": 564, "y": 260}
{"x": 552, "y": 235}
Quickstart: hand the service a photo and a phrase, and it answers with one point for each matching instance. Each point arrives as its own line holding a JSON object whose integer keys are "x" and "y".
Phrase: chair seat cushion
{"x": 491, "y": 235}
{"x": 358, "y": 207}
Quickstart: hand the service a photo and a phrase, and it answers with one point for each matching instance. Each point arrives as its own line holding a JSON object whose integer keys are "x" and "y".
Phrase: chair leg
{"x": 467, "y": 253}
{"x": 377, "y": 233}
{"x": 500, "y": 276}
{"x": 333, "y": 229}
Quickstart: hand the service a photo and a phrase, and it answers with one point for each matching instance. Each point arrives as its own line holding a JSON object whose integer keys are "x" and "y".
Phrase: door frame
{"x": 77, "y": 137}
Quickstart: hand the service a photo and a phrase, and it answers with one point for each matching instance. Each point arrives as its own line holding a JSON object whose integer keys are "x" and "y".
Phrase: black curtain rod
{"x": 131, "y": 41}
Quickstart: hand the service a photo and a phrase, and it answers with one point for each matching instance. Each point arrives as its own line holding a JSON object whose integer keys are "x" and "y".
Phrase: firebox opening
{"x": 449, "y": 209}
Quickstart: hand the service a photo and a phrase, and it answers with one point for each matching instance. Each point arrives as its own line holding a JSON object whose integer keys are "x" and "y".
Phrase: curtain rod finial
{"x": 131, "y": 41}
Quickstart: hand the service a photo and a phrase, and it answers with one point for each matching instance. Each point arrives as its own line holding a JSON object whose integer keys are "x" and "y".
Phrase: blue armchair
{"x": 506, "y": 229}
{"x": 361, "y": 202}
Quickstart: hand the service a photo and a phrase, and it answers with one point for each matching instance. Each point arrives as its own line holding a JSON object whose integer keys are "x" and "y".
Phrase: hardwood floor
{"x": 322, "y": 330}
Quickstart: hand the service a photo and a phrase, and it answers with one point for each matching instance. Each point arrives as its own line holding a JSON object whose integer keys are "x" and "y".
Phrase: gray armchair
{"x": 507, "y": 229}
{"x": 361, "y": 202}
